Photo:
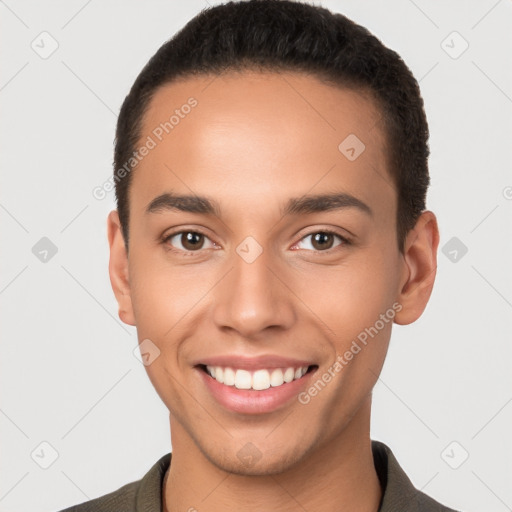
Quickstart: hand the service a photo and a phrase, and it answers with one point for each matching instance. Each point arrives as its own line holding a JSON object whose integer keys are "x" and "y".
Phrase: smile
{"x": 254, "y": 385}
{"x": 257, "y": 380}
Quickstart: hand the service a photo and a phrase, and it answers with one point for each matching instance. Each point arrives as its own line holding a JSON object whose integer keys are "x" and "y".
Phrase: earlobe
{"x": 118, "y": 269}
{"x": 420, "y": 265}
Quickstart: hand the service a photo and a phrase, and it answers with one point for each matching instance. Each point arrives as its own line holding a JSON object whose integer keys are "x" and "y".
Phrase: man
{"x": 271, "y": 172}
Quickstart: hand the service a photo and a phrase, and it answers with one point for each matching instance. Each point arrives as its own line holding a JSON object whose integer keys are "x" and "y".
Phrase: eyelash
{"x": 344, "y": 240}
{"x": 167, "y": 237}
{"x": 165, "y": 240}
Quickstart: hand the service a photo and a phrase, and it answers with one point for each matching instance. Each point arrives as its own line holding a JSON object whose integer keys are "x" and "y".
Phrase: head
{"x": 277, "y": 216}
{"x": 277, "y": 36}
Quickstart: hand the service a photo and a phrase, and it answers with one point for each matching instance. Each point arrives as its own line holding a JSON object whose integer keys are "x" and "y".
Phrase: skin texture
{"x": 254, "y": 141}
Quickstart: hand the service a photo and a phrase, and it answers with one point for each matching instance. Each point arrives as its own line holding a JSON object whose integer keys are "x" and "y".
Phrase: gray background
{"x": 68, "y": 374}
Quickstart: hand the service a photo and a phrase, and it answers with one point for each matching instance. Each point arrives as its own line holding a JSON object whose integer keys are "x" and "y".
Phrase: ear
{"x": 420, "y": 265}
{"x": 118, "y": 269}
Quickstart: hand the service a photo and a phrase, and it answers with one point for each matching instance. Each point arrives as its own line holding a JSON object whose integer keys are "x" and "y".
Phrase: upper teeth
{"x": 258, "y": 380}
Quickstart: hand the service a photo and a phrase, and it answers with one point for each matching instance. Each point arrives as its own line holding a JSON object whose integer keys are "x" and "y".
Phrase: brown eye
{"x": 322, "y": 241}
{"x": 190, "y": 241}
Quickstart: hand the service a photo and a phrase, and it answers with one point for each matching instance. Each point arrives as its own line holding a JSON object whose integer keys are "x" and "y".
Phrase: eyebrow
{"x": 301, "y": 205}
{"x": 183, "y": 203}
{"x": 325, "y": 202}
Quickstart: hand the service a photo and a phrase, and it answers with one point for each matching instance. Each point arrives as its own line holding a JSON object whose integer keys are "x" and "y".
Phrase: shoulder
{"x": 122, "y": 499}
{"x": 399, "y": 494}
{"x": 427, "y": 504}
{"x": 143, "y": 494}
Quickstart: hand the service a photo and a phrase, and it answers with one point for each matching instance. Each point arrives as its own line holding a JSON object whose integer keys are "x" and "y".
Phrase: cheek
{"x": 356, "y": 304}
{"x": 350, "y": 297}
{"x": 163, "y": 296}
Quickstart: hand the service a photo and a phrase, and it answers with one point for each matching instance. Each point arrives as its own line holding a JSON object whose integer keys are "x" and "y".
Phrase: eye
{"x": 321, "y": 241}
{"x": 188, "y": 241}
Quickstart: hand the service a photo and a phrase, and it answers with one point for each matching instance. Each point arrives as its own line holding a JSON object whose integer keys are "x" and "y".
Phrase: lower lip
{"x": 250, "y": 401}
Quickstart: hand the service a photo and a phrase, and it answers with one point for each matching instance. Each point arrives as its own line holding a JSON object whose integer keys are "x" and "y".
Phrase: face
{"x": 263, "y": 263}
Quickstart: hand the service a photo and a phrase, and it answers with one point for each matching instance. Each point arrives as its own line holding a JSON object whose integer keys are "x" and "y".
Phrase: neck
{"x": 338, "y": 476}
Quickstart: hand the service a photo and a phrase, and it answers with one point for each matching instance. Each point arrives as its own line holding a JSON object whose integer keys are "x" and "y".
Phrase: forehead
{"x": 245, "y": 134}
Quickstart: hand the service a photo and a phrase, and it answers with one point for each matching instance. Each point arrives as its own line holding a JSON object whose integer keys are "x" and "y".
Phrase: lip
{"x": 250, "y": 401}
{"x": 253, "y": 363}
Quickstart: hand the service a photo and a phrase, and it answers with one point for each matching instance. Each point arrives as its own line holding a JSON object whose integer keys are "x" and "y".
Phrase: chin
{"x": 249, "y": 461}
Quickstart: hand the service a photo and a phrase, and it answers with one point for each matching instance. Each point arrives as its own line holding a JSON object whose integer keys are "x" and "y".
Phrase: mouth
{"x": 256, "y": 386}
{"x": 257, "y": 380}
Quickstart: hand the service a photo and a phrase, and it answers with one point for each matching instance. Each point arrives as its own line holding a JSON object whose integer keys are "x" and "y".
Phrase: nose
{"x": 252, "y": 299}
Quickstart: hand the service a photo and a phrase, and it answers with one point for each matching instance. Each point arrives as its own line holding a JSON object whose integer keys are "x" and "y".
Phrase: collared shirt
{"x": 145, "y": 495}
